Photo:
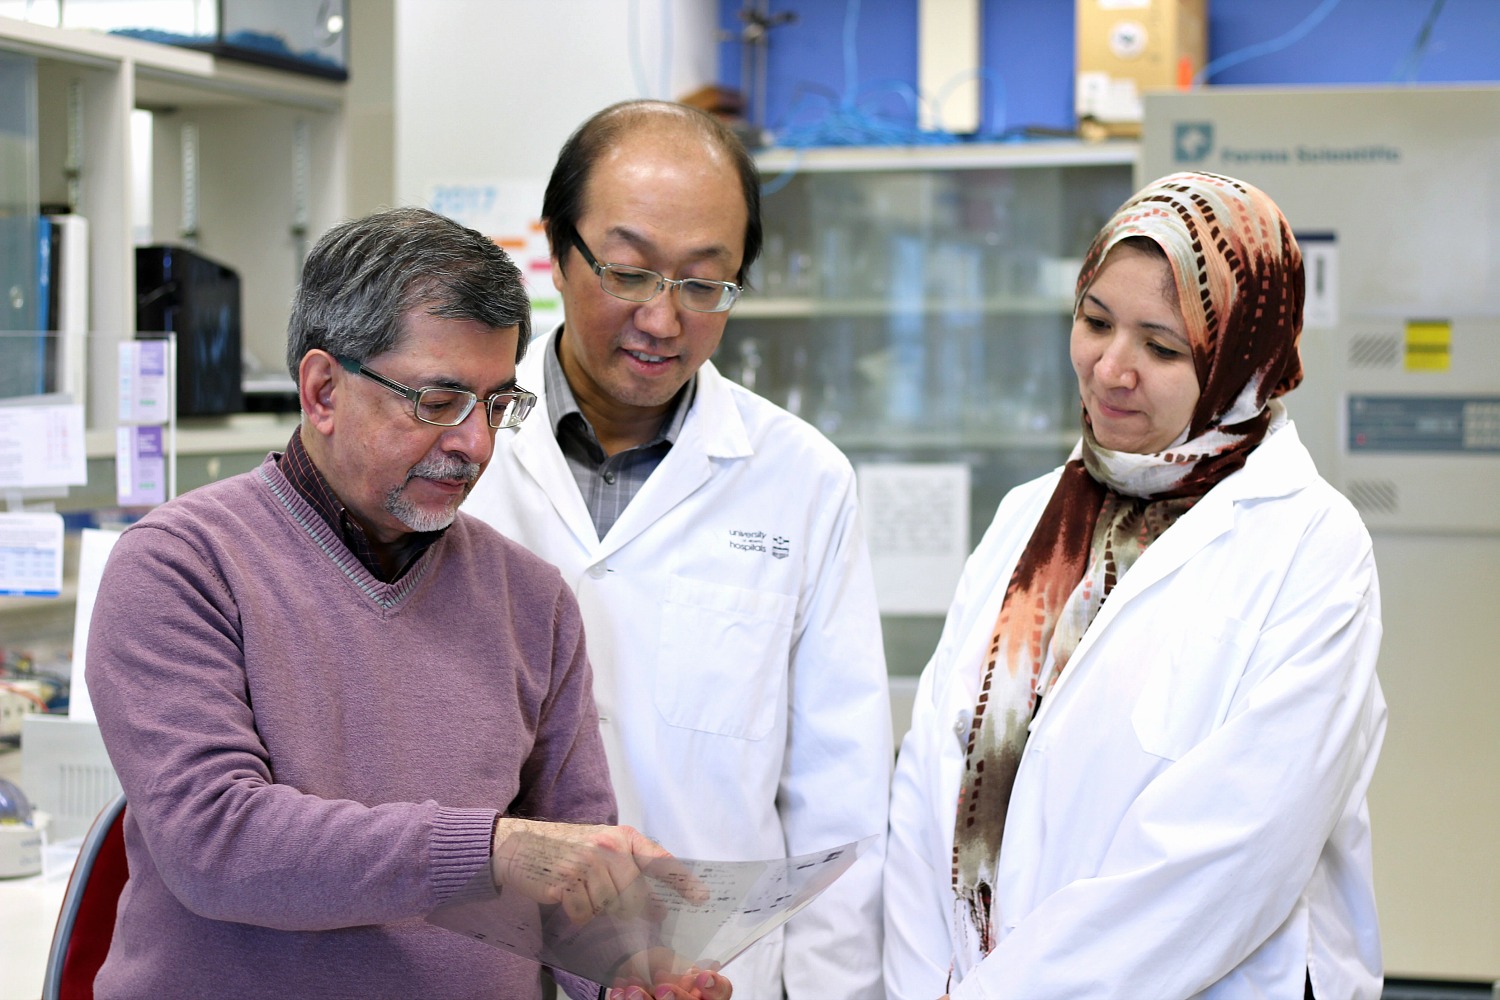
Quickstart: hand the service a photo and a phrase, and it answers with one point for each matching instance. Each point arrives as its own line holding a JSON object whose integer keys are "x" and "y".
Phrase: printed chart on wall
{"x": 31, "y": 553}
{"x": 42, "y": 447}
{"x": 508, "y": 211}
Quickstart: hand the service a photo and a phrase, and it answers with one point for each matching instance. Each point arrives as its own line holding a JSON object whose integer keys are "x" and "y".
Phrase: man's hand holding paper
{"x": 585, "y": 869}
{"x": 610, "y": 905}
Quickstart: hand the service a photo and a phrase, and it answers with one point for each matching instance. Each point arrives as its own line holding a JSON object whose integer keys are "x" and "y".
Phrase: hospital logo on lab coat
{"x": 757, "y": 541}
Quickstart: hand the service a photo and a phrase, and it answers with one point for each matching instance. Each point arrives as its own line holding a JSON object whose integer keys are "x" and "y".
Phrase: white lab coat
{"x": 1189, "y": 815}
{"x": 731, "y": 622}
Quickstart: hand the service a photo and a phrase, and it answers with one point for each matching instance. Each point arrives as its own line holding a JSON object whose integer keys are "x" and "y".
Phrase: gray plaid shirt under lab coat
{"x": 607, "y": 482}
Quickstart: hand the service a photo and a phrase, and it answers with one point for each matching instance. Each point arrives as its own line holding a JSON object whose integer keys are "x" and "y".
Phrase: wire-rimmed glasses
{"x": 445, "y": 407}
{"x": 639, "y": 284}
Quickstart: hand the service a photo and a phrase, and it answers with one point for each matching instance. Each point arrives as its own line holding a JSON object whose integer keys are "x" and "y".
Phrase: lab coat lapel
{"x": 1196, "y": 529}
{"x": 1208, "y": 519}
{"x": 713, "y": 430}
{"x": 536, "y": 451}
{"x": 1275, "y": 468}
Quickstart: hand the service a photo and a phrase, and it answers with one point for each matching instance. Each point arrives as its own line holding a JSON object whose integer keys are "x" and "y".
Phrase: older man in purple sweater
{"x": 331, "y": 699}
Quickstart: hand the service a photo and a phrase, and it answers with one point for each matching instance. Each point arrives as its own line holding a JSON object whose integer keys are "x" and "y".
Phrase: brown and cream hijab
{"x": 1239, "y": 282}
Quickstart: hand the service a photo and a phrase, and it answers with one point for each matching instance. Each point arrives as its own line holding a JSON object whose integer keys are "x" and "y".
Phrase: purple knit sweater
{"x": 314, "y": 759}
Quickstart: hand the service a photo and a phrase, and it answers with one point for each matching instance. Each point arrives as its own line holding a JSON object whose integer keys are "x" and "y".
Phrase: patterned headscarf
{"x": 1239, "y": 282}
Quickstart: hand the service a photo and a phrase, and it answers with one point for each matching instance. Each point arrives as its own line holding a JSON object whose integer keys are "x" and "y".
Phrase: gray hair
{"x": 365, "y": 275}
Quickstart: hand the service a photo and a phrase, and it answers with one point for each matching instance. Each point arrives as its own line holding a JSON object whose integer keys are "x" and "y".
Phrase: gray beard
{"x": 415, "y": 518}
{"x": 400, "y": 506}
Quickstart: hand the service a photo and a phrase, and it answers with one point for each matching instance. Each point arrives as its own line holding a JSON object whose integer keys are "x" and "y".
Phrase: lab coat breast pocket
{"x": 1188, "y": 690}
{"x": 724, "y": 653}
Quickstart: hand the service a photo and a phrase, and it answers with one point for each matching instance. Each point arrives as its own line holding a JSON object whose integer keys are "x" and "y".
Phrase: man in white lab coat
{"x": 712, "y": 538}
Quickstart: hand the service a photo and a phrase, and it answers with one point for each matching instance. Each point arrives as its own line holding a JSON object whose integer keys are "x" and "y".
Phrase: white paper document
{"x": 679, "y": 913}
{"x": 42, "y": 446}
{"x": 93, "y": 552}
{"x": 31, "y": 555}
{"x": 916, "y": 517}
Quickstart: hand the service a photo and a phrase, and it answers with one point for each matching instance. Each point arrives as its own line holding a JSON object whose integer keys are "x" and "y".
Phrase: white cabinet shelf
{"x": 240, "y": 434}
{"x": 753, "y": 306}
{"x": 957, "y": 443}
{"x": 268, "y": 148}
{"x": 940, "y": 158}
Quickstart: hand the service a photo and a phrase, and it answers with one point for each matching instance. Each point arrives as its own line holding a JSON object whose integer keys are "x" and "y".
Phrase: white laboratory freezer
{"x": 1394, "y": 193}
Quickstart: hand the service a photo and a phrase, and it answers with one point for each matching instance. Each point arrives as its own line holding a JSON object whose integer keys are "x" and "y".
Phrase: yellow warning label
{"x": 1429, "y": 345}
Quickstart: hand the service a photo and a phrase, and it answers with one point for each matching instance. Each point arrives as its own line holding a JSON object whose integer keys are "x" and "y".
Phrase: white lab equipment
{"x": 1394, "y": 193}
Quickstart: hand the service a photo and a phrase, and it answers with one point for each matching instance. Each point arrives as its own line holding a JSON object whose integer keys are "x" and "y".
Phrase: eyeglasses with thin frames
{"x": 638, "y": 284}
{"x": 444, "y": 407}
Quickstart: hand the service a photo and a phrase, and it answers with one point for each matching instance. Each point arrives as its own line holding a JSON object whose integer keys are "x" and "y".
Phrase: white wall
{"x": 491, "y": 88}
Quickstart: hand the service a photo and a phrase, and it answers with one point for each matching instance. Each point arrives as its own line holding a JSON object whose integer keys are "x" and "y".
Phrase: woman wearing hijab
{"x": 1138, "y": 758}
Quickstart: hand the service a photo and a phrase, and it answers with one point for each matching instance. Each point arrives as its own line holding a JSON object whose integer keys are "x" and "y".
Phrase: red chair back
{"x": 86, "y": 922}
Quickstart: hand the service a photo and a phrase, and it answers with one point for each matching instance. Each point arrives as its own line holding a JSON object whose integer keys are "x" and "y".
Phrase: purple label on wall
{"x": 154, "y": 357}
{"x": 148, "y": 442}
{"x": 140, "y": 467}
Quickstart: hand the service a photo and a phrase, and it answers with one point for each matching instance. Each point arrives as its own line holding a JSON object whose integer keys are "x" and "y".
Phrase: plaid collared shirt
{"x": 298, "y": 467}
{"x": 607, "y": 482}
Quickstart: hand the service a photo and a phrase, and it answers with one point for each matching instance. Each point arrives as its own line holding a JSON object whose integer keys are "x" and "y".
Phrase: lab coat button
{"x": 598, "y": 570}
{"x": 961, "y": 727}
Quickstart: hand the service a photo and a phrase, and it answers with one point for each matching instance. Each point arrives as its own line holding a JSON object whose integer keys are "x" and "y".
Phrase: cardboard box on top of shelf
{"x": 1127, "y": 47}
